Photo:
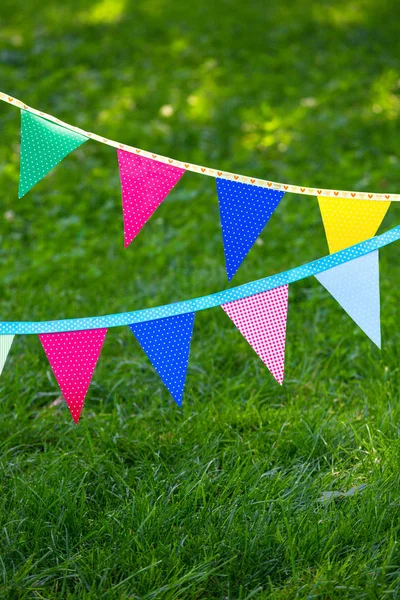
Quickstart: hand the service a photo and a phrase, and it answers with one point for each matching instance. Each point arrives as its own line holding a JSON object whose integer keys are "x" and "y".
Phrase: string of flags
{"x": 258, "y": 310}
{"x": 246, "y": 204}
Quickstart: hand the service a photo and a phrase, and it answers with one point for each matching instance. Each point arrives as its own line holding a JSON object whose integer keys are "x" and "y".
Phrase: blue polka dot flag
{"x": 245, "y": 210}
{"x": 167, "y": 345}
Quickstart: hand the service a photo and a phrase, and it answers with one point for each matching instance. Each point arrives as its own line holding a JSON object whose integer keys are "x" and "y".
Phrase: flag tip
{"x": 378, "y": 343}
{"x": 126, "y": 243}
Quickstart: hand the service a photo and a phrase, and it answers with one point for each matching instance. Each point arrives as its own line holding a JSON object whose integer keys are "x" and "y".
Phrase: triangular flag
{"x": 245, "y": 210}
{"x": 348, "y": 222}
{"x": 43, "y": 145}
{"x": 5, "y": 345}
{"x": 261, "y": 319}
{"x": 355, "y": 285}
{"x": 73, "y": 356}
{"x": 167, "y": 345}
{"x": 145, "y": 183}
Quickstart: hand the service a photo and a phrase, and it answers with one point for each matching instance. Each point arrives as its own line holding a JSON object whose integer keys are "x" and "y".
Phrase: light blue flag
{"x": 355, "y": 285}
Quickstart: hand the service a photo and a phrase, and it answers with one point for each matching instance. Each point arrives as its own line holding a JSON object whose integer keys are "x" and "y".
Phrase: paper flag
{"x": 348, "y": 222}
{"x": 167, "y": 345}
{"x": 261, "y": 319}
{"x": 245, "y": 209}
{"x": 145, "y": 184}
{"x": 5, "y": 345}
{"x": 355, "y": 285}
{"x": 73, "y": 356}
{"x": 43, "y": 145}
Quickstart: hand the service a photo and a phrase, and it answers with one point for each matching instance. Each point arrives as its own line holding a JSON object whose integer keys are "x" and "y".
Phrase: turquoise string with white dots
{"x": 196, "y": 304}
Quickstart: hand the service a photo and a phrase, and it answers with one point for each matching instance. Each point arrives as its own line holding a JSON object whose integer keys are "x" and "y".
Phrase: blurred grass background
{"x": 230, "y": 497}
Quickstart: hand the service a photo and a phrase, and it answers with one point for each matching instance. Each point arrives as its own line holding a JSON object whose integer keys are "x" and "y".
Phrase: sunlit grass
{"x": 104, "y": 11}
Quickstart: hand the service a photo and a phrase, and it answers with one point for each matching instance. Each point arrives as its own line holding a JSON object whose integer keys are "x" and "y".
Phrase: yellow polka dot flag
{"x": 348, "y": 222}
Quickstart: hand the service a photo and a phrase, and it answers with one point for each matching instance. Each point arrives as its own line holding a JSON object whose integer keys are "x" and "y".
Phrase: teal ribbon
{"x": 188, "y": 306}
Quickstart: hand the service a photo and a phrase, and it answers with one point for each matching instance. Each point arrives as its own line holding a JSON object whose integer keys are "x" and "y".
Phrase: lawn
{"x": 229, "y": 497}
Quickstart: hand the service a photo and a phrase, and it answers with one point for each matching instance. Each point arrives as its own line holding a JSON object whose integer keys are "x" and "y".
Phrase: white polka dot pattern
{"x": 43, "y": 146}
{"x": 245, "y": 209}
{"x": 188, "y": 306}
{"x": 167, "y": 345}
{"x": 355, "y": 285}
{"x": 145, "y": 184}
{"x": 261, "y": 319}
{"x": 73, "y": 357}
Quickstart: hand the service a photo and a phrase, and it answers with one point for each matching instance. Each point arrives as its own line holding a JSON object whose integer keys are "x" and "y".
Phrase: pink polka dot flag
{"x": 261, "y": 319}
{"x": 145, "y": 184}
{"x": 73, "y": 356}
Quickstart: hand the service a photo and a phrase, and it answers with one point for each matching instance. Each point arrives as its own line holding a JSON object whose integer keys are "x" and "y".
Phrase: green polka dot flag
{"x": 43, "y": 146}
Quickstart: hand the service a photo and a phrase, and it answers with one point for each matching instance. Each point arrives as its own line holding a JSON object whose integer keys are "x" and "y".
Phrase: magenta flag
{"x": 73, "y": 356}
{"x": 261, "y": 319}
{"x": 145, "y": 183}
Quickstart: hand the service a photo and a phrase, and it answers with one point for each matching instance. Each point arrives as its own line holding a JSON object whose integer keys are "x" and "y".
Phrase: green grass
{"x": 226, "y": 498}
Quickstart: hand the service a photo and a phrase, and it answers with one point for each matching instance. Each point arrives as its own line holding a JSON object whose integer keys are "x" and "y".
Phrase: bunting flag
{"x": 261, "y": 319}
{"x": 167, "y": 345}
{"x": 5, "y": 345}
{"x": 258, "y": 309}
{"x": 145, "y": 184}
{"x": 349, "y": 222}
{"x": 355, "y": 285}
{"x": 204, "y": 170}
{"x": 245, "y": 210}
{"x": 43, "y": 145}
{"x": 73, "y": 356}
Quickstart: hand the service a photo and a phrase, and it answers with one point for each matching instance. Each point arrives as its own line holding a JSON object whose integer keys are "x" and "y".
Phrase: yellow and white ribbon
{"x": 210, "y": 172}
